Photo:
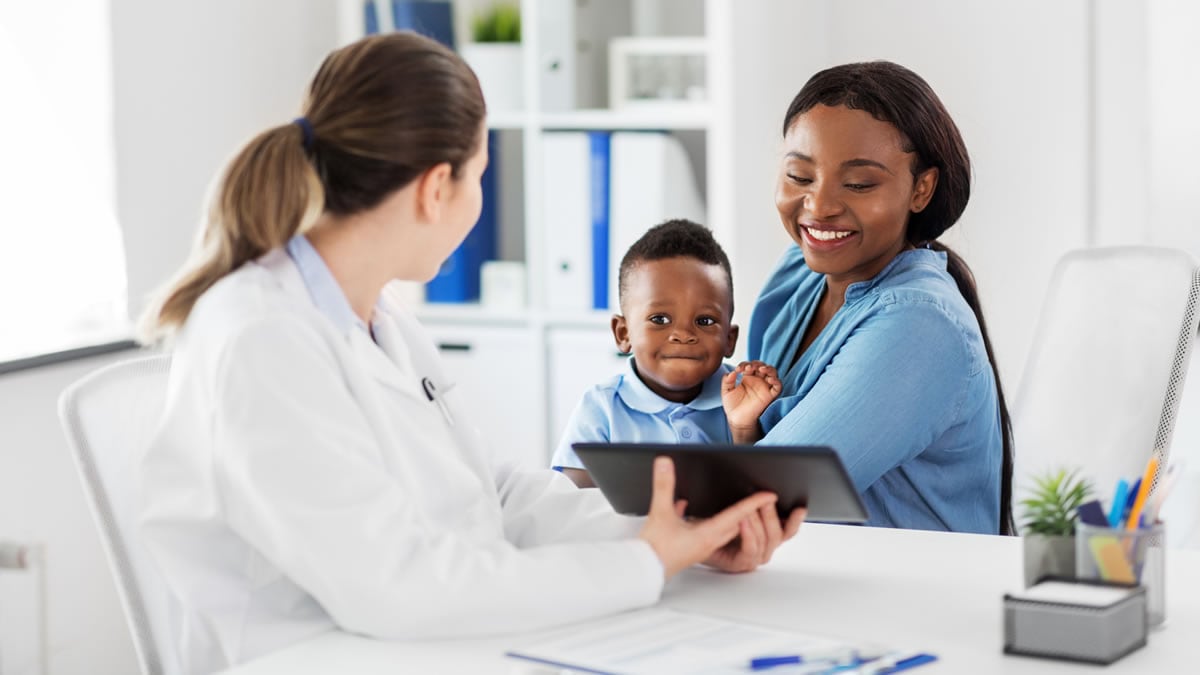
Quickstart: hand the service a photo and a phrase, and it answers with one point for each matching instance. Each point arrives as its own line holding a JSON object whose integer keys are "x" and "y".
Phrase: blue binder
{"x": 458, "y": 279}
{"x": 430, "y": 18}
{"x": 600, "y": 143}
{"x": 370, "y": 17}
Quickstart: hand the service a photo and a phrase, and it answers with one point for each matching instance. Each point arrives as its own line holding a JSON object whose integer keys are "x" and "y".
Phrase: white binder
{"x": 566, "y": 201}
{"x": 651, "y": 180}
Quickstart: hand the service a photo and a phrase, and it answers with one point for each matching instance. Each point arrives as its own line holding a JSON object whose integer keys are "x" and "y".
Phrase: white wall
{"x": 41, "y": 500}
{"x": 195, "y": 80}
{"x": 1173, "y": 107}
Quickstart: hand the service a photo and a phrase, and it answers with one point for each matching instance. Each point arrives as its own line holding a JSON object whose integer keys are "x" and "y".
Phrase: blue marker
{"x": 1118, "y": 504}
{"x": 772, "y": 661}
{"x": 910, "y": 662}
{"x": 838, "y": 658}
{"x": 1129, "y": 500}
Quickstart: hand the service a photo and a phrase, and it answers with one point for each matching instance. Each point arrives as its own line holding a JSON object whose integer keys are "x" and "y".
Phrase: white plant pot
{"x": 500, "y": 72}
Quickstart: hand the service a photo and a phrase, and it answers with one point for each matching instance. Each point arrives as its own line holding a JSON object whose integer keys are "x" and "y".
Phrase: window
{"x": 62, "y": 263}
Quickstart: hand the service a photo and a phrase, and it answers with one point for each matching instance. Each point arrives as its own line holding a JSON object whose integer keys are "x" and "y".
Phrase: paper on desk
{"x": 666, "y": 641}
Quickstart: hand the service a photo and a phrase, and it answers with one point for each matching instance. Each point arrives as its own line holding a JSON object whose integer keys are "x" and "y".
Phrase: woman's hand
{"x": 737, "y": 539}
{"x": 757, "y": 540}
{"x": 745, "y": 401}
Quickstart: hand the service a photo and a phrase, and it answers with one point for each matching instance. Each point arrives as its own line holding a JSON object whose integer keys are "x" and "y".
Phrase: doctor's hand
{"x": 738, "y": 539}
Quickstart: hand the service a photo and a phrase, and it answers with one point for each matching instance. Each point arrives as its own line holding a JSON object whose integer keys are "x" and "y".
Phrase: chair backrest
{"x": 109, "y": 417}
{"x": 1101, "y": 387}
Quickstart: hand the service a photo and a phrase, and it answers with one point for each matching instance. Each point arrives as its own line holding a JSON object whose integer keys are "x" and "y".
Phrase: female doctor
{"x": 311, "y": 470}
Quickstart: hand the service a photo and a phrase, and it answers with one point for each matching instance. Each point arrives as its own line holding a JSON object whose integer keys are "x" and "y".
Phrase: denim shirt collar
{"x": 916, "y": 256}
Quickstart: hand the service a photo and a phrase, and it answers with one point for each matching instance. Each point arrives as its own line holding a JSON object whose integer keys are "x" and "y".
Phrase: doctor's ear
{"x": 433, "y": 188}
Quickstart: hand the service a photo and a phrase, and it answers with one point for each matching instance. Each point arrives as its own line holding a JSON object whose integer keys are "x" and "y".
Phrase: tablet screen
{"x": 713, "y": 477}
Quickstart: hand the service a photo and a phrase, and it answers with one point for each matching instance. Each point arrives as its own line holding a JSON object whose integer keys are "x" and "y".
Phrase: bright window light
{"x": 62, "y": 263}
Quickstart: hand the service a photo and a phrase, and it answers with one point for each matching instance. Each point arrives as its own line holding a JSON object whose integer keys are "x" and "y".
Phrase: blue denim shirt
{"x": 623, "y": 408}
{"x": 898, "y": 383}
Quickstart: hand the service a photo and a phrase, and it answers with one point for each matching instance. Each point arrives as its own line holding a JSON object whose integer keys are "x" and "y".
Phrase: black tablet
{"x": 712, "y": 477}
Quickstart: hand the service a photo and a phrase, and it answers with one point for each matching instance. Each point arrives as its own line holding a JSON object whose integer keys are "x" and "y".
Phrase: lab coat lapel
{"x": 391, "y": 369}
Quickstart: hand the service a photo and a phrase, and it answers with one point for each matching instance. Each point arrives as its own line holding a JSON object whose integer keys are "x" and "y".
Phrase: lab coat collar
{"x": 387, "y": 359}
{"x": 638, "y": 396}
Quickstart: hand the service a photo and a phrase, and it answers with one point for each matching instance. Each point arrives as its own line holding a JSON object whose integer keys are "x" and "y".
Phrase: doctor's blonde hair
{"x": 379, "y": 113}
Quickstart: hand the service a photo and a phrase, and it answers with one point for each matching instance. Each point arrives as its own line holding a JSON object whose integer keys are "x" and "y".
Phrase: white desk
{"x": 923, "y": 590}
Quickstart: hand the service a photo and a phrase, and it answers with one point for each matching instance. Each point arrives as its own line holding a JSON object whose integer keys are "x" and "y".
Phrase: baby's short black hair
{"x": 678, "y": 238}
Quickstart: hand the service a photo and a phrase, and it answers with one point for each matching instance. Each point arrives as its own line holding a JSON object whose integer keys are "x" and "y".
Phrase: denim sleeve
{"x": 896, "y": 385}
{"x": 589, "y": 423}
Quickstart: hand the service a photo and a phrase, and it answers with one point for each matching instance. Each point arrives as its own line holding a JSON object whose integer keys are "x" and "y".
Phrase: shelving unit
{"x": 526, "y": 368}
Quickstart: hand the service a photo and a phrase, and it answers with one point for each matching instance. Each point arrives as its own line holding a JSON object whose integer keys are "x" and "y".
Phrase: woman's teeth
{"x": 827, "y": 235}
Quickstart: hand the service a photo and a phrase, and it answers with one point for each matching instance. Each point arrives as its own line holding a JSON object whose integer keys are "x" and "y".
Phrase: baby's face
{"x": 677, "y": 322}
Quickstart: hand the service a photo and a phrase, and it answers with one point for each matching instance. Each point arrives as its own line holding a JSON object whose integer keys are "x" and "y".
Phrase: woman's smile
{"x": 826, "y": 238}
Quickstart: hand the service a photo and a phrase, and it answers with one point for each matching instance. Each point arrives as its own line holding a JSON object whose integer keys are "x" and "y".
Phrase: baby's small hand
{"x": 746, "y": 400}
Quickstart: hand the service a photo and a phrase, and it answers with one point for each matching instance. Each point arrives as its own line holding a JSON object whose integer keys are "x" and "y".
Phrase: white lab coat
{"x": 302, "y": 480}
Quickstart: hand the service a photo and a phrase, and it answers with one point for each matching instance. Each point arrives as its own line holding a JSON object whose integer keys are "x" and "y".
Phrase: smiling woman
{"x": 874, "y": 326}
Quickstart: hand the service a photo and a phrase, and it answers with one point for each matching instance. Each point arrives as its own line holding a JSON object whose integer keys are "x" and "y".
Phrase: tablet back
{"x": 712, "y": 477}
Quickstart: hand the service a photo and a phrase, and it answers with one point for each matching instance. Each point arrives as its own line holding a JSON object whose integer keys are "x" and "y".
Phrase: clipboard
{"x": 713, "y": 477}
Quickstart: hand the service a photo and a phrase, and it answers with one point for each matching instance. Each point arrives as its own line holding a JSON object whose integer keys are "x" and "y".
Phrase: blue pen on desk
{"x": 772, "y": 661}
{"x": 897, "y": 665}
{"x": 1118, "y": 504}
{"x": 836, "y": 658}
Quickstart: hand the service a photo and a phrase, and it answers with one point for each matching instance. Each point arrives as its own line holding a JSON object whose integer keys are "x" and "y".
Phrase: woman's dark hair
{"x": 379, "y": 113}
{"x": 894, "y": 94}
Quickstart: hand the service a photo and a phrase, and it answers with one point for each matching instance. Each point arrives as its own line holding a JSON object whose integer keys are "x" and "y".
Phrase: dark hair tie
{"x": 306, "y": 127}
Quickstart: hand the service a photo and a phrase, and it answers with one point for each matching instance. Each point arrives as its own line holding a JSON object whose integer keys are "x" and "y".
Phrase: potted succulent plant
{"x": 495, "y": 55}
{"x": 1048, "y": 522}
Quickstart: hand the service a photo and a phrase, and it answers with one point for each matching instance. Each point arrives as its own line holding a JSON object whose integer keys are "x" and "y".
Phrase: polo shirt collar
{"x": 639, "y": 397}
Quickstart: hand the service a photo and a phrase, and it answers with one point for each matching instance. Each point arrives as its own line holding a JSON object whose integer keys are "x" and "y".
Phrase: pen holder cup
{"x": 1126, "y": 556}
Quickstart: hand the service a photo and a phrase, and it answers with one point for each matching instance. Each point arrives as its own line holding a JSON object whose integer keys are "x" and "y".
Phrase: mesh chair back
{"x": 109, "y": 416}
{"x": 1101, "y": 387}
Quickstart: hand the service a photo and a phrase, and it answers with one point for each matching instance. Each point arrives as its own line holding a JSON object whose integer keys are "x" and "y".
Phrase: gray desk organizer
{"x": 1076, "y": 631}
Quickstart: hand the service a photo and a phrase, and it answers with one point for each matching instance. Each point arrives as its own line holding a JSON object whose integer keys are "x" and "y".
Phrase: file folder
{"x": 651, "y": 181}
{"x": 567, "y": 211}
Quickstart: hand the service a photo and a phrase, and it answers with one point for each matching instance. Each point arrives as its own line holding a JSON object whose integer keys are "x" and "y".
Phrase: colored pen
{"x": 896, "y": 664}
{"x": 1129, "y": 499}
{"x": 772, "y": 661}
{"x": 831, "y": 657}
{"x": 1118, "y": 504}
{"x": 1139, "y": 503}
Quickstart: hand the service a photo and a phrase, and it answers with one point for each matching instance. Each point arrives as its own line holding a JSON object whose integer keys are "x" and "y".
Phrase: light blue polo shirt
{"x": 624, "y": 409}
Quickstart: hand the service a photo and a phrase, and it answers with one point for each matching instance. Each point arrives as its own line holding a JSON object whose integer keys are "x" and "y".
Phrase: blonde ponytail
{"x": 269, "y": 192}
{"x": 379, "y": 112}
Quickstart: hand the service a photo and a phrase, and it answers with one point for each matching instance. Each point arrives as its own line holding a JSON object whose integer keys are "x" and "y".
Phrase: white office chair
{"x": 109, "y": 416}
{"x": 1102, "y": 383}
